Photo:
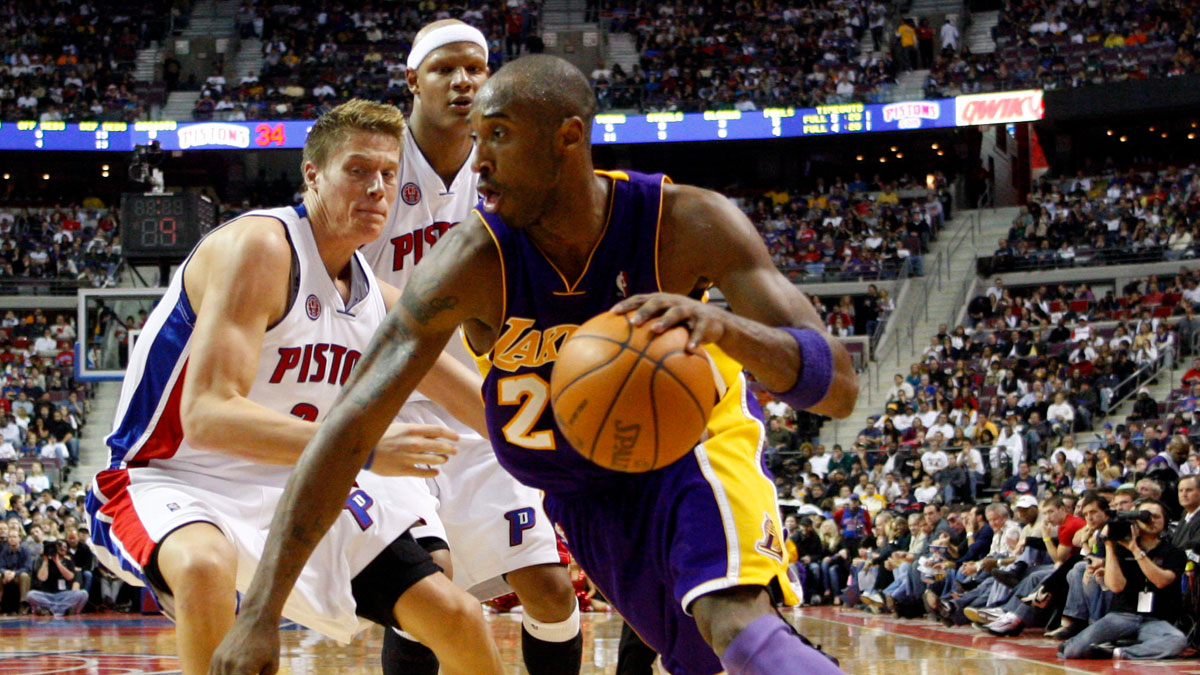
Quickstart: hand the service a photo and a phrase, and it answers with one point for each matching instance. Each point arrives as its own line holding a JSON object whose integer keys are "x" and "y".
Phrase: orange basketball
{"x": 627, "y": 399}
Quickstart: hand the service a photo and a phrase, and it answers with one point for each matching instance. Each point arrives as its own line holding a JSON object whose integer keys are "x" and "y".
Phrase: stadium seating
{"x": 77, "y": 62}
{"x": 1114, "y": 219}
{"x": 785, "y": 54}
{"x": 1065, "y": 45}
{"x": 57, "y": 249}
{"x": 846, "y": 232}
{"x": 361, "y": 56}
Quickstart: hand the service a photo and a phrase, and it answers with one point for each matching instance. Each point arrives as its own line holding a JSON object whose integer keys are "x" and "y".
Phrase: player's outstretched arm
{"x": 705, "y": 240}
{"x": 444, "y": 292}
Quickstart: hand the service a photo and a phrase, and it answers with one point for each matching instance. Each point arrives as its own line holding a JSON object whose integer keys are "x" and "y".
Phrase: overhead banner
{"x": 610, "y": 128}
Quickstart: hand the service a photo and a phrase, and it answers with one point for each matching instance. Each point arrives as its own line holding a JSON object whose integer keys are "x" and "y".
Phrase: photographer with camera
{"x": 56, "y": 589}
{"x": 1142, "y": 570}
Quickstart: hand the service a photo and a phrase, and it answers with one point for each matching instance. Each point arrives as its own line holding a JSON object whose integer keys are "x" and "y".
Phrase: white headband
{"x": 440, "y": 37}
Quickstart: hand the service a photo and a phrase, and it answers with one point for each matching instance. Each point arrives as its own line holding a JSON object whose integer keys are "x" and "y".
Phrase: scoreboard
{"x": 123, "y": 136}
{"x": 664, "y": 127}
{"x": 826, "y": 120}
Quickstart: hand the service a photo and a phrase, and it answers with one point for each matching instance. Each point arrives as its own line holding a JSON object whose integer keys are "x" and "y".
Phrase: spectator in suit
{"x": 14, "y": 572}
{"x": 1187, "y": 532}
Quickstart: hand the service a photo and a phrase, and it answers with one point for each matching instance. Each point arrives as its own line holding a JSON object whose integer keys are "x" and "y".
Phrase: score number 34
{"x": 269, "y": 134}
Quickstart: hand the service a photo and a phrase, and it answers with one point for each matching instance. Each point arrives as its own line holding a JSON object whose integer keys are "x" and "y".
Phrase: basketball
{"x": 630, "y": 400}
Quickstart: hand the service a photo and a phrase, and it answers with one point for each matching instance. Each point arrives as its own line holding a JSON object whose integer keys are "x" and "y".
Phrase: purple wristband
{"x": 370, "y": 460}
{"x": 816, "y": 370}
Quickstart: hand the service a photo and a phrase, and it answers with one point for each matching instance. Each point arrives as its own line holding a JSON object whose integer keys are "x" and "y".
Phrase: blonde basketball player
{"x": 247, "y": 352}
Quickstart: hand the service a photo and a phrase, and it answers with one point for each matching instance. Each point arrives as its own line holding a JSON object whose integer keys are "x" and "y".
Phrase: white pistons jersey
{"x": 305, "y": 359}
{"x": 424, "y": 210}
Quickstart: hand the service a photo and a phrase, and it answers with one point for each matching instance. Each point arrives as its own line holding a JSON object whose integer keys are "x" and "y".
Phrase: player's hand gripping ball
{"x": 628, "y": 399}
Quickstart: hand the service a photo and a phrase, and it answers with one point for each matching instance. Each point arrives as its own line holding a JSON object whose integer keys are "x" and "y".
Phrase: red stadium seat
{"x": 1078, "y": 306}
{"x": 1162, "y": 312}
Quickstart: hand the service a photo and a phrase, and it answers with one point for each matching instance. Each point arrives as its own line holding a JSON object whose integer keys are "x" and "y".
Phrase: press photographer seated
{"x": 1143, "y": 573}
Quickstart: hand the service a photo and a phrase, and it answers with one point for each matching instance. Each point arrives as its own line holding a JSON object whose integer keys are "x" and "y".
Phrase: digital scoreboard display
{"x": 164, "y": 226}
{"x": 666, "y": 127}
{"x": 123, "y": 136}
{"x": 826, "y": 120}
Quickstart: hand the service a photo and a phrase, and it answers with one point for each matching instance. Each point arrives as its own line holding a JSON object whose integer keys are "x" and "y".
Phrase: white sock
{"x": 563, "y": 631}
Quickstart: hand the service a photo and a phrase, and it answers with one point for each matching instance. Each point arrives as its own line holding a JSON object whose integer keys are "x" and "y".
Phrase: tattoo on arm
{"x": 423, "y": 313}
{"x": 424, "y": 303}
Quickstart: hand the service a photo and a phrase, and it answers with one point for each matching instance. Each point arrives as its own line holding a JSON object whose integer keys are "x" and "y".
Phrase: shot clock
{"x": 164, "y": 227}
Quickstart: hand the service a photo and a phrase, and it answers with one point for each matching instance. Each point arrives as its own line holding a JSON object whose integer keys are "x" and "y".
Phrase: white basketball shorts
{"x": 131, "y": 510}
{"x": 493, "y": 524}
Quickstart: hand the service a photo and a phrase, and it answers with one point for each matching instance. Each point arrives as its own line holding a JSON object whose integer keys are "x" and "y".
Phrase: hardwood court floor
{"x": 126, "y": 644}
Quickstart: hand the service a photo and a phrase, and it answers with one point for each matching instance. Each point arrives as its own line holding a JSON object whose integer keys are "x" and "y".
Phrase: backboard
{"x": 109, "y": 322}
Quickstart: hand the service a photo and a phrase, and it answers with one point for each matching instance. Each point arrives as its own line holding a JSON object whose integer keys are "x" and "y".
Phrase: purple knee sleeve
{"x": 769, "y": 647}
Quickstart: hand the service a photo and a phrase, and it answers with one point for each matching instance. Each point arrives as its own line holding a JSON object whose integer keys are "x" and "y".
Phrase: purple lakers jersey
{"x": 541, "y": 310}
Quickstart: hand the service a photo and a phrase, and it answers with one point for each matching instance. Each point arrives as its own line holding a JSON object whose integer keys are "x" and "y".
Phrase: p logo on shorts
{"x": 357, "y": 504}
{"x": 519, "y": 520}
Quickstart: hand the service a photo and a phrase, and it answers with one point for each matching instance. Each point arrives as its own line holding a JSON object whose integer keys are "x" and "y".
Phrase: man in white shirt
{"x": 929, "y": 417}
{"x": 55, "y": 449}
{"x": 941, "y": 426}
{"x": 777, "y": 408}
{"x": 996, "y": 291}
{"x": 10, "y": 431}
{"x": 1192, "y": 293}
{"x": 934, "y": 460}
{"x": 949, "y": 35}
{"x": 1070, "y": 454}
{"x": 46, "y": 345}
{"x": 901, "y": 387}
{"x": 819, "y": 461}
{"x": 1082, "y": 352}
{"x": 891, "y": 488}
{"x": 1061, "y": 415}
{"x": 904, "y": 420}
{"x": 1009, "y": 447}
{"x": 1083, "y": 331}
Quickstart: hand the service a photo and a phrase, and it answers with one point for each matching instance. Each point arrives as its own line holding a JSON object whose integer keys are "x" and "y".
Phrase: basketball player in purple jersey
{"x": 689, "y": 554}
{"x": 498, "y": 534}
